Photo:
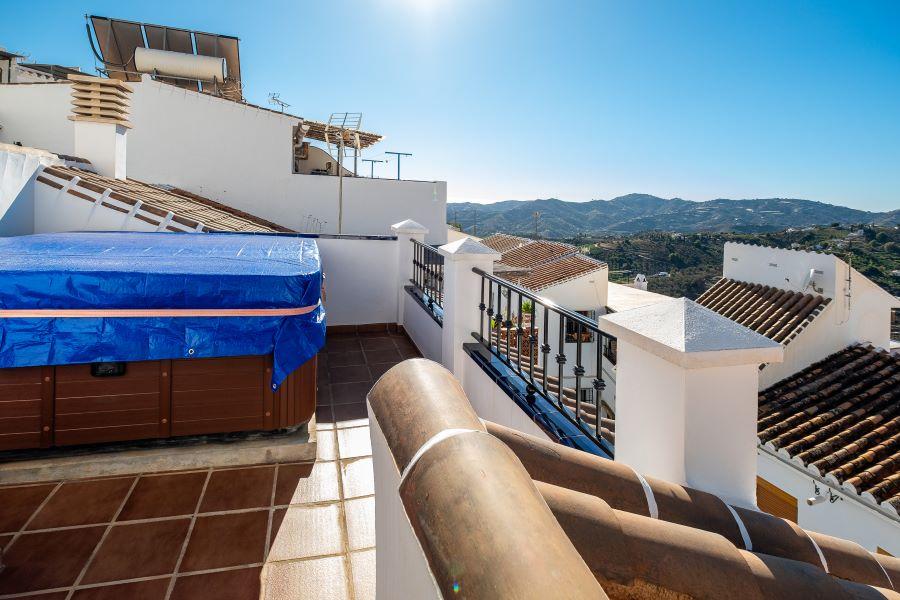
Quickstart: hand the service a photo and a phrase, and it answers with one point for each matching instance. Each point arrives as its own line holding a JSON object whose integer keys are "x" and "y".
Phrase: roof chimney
{"x": 100, "y": 112}
{"x": 686, "y": 396}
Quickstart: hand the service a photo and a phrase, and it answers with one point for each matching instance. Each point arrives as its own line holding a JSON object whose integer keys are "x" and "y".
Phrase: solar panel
{"x": 118, "y": 39}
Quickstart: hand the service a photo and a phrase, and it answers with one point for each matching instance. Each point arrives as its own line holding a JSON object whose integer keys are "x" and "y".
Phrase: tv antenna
{"x": 372, "y": 162}
{"x": 275, "y": 100}
{"x": 399, "y": 154}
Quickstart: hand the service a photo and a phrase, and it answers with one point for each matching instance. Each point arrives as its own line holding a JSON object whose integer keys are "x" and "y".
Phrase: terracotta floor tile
{"x": 83, "y": 503}
{"x": 354, "y": 442}
{"x": 317, "y": 579}
{"x": 379, "y": 370}
{"x": 138, "y": 550}
{"x": 326, "y": 445}
{"x": 350, "y": 415}
{"x": 164, "y": 496}
{"x": 410, "y": 353}
{"x": 349, "y": 374}
{"x": 324, "y": 417}
{"x": 226, "y": 541}
{"x": 346, "y": 344}
{"x": 386, "y": 355}
{"x": 308, "y": 531}
{"x": 154, "y": 589}
{"x": 18, "y": 503}
{"x": 305, "y": 483}
{"x": 323, "y": 394}
{"x": 345, "y": 359}
{"x": 360, "y": 515}
{"x": 277, "y": 520}
{"x": 362, "y": 566}
{"x": 237, "y": 584}
{"x": 235, "y": 489}
{"x": 357, "y": 477}
{"x": 378, "y": 343}
{"x": 347, "y": 393}
{"x": 50, "y": 559}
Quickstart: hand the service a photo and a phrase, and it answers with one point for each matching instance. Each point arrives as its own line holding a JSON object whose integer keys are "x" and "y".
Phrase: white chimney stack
{"x": 686, "y": 396}
{"x": 100, "y": 113}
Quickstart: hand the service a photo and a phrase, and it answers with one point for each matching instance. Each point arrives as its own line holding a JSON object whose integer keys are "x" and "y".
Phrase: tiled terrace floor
{"x": 306, "y": 531}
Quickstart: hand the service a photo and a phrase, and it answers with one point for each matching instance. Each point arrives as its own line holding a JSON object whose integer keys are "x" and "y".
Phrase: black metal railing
{"x": 428, "y": 275}
{"x": 515, "y": 326}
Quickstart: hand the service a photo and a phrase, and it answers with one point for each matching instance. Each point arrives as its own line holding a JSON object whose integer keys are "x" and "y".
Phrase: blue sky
{"x": 514, "y": 99}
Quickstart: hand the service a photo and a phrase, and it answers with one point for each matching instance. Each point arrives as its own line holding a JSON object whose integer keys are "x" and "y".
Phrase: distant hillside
{"x": 686, "y": 264}
{"x": 642, "y": 212}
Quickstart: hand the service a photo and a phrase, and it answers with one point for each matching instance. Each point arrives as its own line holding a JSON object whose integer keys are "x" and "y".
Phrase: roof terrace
{"x": 409, "y": 454}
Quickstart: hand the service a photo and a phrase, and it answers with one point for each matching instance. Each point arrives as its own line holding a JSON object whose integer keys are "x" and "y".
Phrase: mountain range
{"x": 642, "y": 212}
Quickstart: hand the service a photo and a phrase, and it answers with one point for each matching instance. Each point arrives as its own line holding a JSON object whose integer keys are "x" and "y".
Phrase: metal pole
{"x": 399, "y": 154}
{"x": 340, "y": 187}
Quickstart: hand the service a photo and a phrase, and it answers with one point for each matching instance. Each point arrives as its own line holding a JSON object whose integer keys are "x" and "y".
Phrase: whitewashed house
{"x": 829, "y": 414}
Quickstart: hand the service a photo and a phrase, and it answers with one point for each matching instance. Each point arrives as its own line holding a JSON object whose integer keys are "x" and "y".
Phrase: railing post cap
{"x": 467, "y": 248}
{"x": 408, "y": 226}
{"x": 691, "y": 336}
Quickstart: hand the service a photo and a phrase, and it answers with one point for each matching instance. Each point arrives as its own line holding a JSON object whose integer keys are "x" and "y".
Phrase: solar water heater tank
{"x": 179, "y": 64}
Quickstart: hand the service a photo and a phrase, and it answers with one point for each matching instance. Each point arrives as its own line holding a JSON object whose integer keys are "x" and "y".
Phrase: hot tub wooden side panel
{"x": 66, "y": 405}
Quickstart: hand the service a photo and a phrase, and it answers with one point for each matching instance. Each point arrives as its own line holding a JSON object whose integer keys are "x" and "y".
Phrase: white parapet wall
{"x": 360, "y": 280}
{"x": 402, "y": 571}
{"x": 424, "y": 331}
{"x": 234, "y": 153}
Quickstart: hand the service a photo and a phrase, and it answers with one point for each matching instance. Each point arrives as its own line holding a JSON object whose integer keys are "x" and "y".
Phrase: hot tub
{"x": 121, "y": 336}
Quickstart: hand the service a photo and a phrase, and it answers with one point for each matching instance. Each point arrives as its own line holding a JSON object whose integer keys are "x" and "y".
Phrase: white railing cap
{"x": 691, "y": 336}
{"x": 468, "y": 248}
{"x": 408, "y": 226}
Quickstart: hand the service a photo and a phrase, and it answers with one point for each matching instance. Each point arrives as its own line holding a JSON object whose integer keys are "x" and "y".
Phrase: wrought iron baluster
{"x": 545, "y": 349}
{"x": 532, "y": 341}
{"x": 481, "y": 308}
{"x": 498, "y": 320}
{"x": 519, "y": 331}
{"x": 508, "y": 322}
{"x": 490, "y": 313}
{"x": 561, "y": 358}
{"x": 599, "y": 384}
{"x": 578, "y": 370}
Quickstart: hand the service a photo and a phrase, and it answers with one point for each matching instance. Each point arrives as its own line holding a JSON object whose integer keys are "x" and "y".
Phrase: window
{"x": 610, "y": 350}
{"x": 775, "y": 501}
{"x": 587, "y": 336}
{"x": 587, "y": 396}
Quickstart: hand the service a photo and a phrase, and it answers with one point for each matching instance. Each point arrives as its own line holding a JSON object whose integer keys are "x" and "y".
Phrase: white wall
{"x": 846, "y": 518}
{"x": 37, "y": 115}
{"x": 17, "y": 173}
{"x": 421, "y": 328}
{"x": 360, "y": 280}
{"x": 234, "y": 153}
{"x": 491, "y": 403}
{"x": 401, "y": 569}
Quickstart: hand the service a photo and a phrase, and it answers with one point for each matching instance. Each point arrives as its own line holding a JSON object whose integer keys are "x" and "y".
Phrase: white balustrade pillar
{"x": 686, "y": 396}
{"x": 406, "y": 231}
{"x": 462, "y": 295}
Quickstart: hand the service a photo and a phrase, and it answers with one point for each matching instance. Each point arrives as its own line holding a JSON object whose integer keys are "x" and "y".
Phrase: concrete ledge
{"x": 192, "y": 453}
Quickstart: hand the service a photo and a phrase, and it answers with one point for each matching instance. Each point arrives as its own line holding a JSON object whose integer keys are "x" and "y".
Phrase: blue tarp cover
{"x": 121, "y": 270}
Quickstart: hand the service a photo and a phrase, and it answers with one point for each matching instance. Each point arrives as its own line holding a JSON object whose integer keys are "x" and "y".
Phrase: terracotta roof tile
{"x": 188, "y": 209}
{"x": 556, "y": 272}
{"x": 536, "y": 253}
{"x": 502, "y": 242}
{"x": 841, "y": 416}
{"x": 775, "y": 313}
{"x": 638, "y": 536}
